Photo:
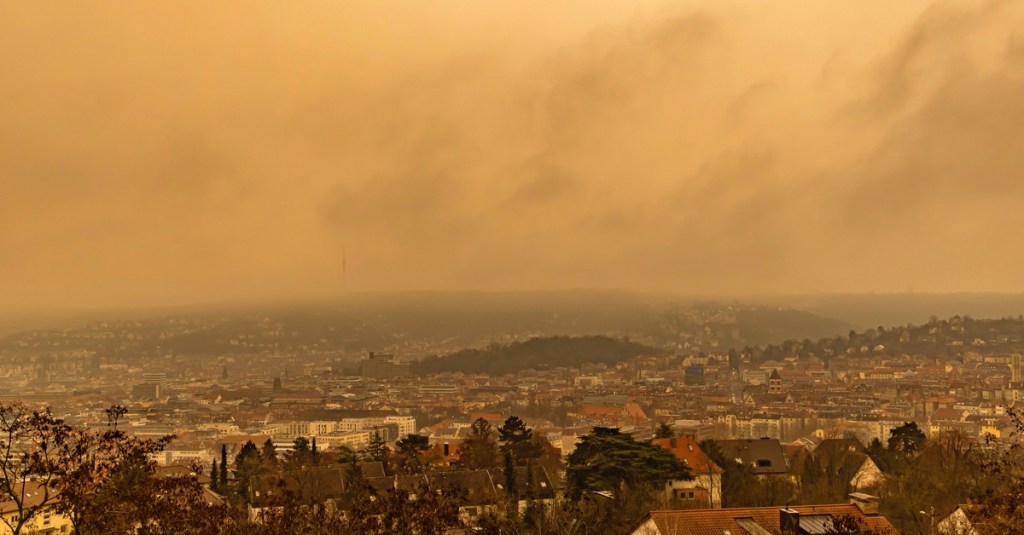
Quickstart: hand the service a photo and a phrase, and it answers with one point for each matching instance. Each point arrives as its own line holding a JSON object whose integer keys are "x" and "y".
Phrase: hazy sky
{"x": 172, "y": 152}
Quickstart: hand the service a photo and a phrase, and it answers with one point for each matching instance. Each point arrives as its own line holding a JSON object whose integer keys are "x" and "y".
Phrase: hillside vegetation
{"x": 537, "y": 353}
{"x": 944, "y": 339}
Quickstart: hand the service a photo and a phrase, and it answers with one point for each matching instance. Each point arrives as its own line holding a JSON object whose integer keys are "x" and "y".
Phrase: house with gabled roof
{"x": 961, "y": 521}
{"x": 45, "y": 520}
{"x": 764, "y": 456}
{"x": 477, "y": 491}
{"x": 705, "y": 489}
{"x": 849, "y": 456}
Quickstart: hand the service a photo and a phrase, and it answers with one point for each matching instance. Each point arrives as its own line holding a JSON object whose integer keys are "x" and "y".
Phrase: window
{"x": 684, "y": 494}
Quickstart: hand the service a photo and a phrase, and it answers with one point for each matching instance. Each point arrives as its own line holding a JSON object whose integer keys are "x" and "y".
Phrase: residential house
{"x": 849, "y": 457}
{"x": 46, "y": 521}
{"x": 764, "y": 456}
{"x": 480, "y": 491}
{"x": 705, "y": 489}
{"x": 961, "y": 521}
{"x": 793, "y": 520}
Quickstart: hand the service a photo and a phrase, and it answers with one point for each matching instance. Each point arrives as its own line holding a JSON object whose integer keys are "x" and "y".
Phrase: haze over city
{"x": 581, "y": 267}
{"x": 164, "y": 153}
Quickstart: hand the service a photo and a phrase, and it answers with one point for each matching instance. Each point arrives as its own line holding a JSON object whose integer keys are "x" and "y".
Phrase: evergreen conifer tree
{"x": 223, "y": 466}
{"x": 213, "y": 475}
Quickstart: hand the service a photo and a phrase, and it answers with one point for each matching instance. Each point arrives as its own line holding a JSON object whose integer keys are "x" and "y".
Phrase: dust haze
{"x": 158, "y": 153}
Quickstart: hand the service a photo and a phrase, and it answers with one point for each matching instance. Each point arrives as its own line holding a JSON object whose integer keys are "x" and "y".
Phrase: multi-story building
{"x": 383, "y": 366}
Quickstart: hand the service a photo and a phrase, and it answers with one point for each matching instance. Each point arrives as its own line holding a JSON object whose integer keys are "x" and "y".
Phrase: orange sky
{"x": 174, "y": 152}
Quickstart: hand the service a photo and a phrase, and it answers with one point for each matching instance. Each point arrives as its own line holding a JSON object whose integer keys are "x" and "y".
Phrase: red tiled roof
{"x": 687, "y": 450}
{"x": 951, "y": 415}
{"x": 716, "y": 521}
{"x": 440, "y": 425}
{"x": 489, "y": 416}
{"x": 635, "y": 411}
{"x": 593, "y": 410}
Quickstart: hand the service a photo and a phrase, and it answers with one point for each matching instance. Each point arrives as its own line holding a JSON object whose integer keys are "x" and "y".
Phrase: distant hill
{"x": 950, "y": 338}
{"x": 536, "y": 353}
{"x": 871, "y": 310}
{"x": 764, "y": 325}
{"x": 422, "y": 324}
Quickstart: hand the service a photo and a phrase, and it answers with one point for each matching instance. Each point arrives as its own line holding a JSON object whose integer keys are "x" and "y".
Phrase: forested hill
{"x": 949, "y": 339}
{"x": 536, "y": 353}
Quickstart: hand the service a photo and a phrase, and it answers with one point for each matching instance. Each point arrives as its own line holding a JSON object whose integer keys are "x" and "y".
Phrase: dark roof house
{"x": 764, "y": 456}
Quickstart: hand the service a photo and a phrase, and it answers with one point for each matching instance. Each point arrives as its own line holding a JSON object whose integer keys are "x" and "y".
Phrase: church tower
{"x": 775, "y": 383}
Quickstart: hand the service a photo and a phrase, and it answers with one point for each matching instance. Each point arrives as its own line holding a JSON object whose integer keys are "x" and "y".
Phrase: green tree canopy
{"x": 269, "y": 452}
{"x": 377, "y": 450}
{"x": 248, "y": 464}
{"x": 517, "y": 439}
{"x": 608, "y": 460}
{"x": 301, "y": 454}
{"x": 905, "y": 441}
{"x": 408, "y": 454}
{"x": 479, "y": 450}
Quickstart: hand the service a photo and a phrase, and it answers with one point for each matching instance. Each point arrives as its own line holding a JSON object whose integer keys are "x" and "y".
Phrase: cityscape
{"x": 799, "y": 422}
{"x": 656, "y": 267}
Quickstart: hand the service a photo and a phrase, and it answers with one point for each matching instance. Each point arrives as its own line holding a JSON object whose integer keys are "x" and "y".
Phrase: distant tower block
{"x": 383, "y": 366}
{"x": 1015, "y": 365}
{"x": 151, "y": 387}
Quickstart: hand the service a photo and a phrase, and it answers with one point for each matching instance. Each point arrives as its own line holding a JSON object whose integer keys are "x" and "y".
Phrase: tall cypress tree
{"x": 224, "y": 466}
{"x": 213, "y": 475}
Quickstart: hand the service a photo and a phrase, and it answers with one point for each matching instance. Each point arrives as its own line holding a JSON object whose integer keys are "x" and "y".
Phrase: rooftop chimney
{"x": 867, "y": 503}
{"x": 789, "y": 521}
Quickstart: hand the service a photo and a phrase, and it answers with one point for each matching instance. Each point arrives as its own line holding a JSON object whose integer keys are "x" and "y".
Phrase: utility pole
{"x": 931, "y": 519}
